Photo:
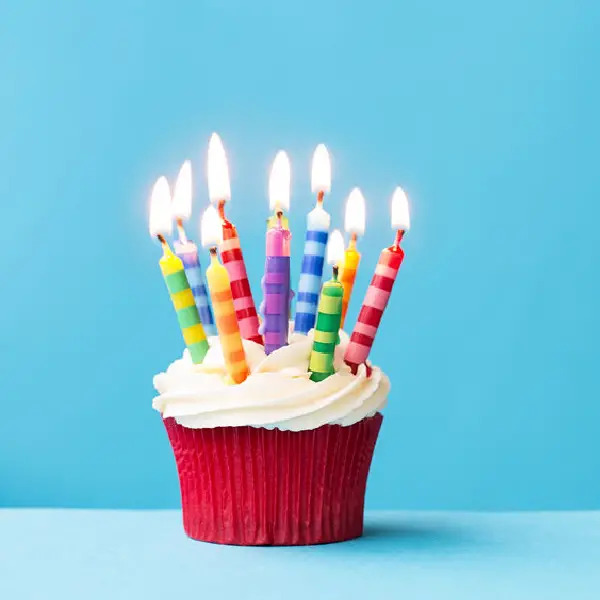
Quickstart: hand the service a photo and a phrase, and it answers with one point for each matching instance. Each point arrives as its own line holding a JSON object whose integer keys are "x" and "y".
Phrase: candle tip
{"x": 321, "y": 171}
{"x": 160, "y": 221}
{"x": 335, "y": 248}
{"x": 182, "y": 193}
{"x": 219, "y": 188}
{"x": 400, "y": 212}
{"x": 211, "y": 228}
{"x": 279, "y": 182}
{"x": 354, "y": 221}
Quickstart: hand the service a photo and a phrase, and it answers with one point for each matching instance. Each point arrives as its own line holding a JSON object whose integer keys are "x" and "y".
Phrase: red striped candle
{"x": 380, "y": 289}
{"x": 233, "y": 261}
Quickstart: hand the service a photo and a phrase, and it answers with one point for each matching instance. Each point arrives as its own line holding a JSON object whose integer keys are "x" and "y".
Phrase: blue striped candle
{"x": 309, "y": 285}
{"x": 188, "y": 253}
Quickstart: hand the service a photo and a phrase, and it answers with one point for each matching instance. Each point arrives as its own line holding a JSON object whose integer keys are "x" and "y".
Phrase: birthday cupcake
{"x": 278, "y": 459}
{"x": 273, "y": 430}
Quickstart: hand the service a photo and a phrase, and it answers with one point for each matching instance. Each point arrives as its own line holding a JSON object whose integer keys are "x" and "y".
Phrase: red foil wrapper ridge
{"x": 252, "y": 486}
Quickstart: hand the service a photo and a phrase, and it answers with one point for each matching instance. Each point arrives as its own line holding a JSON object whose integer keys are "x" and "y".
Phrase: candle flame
{"x": 279, "y": 182}
{"x": 160, "y": 221}
{"x": 321, "y": 170}
{"x": 182, "y": 194}
{"x": 355, "y": 213}
{"x": 211, "y": 228}
{"x": 219, "y": 188}
{"x": 335, "y": 248}
{"x": 400, "y": 212}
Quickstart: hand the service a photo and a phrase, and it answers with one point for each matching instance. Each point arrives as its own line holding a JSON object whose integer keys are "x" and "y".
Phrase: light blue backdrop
{"x": 486, "y": 113}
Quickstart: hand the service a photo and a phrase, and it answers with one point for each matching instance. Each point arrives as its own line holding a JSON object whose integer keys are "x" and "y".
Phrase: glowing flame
{"x": 160, "y": 221}
{"x": 211, "y": 228}
{"x": 182, "y": 194}
{"x": 355, "y": 213}
{"x": 400, "y": 213}
{"x": 279, "y": 182}
{"x": 335, "y": 248}
{"x": 321, "y": 170}
{"x": 218, "y": 171}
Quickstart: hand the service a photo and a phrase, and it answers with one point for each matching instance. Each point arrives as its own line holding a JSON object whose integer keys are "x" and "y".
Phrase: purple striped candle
{"x": 276, "y": 288}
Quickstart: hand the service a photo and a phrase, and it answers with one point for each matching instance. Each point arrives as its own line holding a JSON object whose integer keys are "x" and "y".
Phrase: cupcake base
{"x": 252, "y": 486}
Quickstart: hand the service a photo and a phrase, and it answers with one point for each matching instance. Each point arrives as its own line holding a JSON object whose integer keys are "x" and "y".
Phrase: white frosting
{"x": 277, "y": 393}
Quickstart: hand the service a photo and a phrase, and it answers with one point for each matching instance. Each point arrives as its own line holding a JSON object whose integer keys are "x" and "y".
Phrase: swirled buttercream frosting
{"x": 278, "y": 393}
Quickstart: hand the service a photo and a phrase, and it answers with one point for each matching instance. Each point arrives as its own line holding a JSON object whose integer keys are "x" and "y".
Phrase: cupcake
{"x": 273, "y": 443}
{"x": 278, "y": 459}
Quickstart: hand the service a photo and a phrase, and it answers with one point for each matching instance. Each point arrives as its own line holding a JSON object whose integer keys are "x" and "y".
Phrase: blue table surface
{"x": 91, "y": 554}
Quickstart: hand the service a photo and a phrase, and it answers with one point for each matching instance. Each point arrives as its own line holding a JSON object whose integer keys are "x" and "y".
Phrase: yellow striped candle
{"x": 222, "y": 300}
{"x": 355, "y": 226}
{"x": 174, "y": 274}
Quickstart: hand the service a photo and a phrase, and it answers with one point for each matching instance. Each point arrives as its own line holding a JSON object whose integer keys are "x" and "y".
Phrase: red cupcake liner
{"x": 252, "y": 486}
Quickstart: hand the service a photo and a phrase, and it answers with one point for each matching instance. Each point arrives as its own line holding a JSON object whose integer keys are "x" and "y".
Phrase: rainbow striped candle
{"x": 317, "y": 232}
{"x": 220, "y": 293}
{"x": 231, "y": 251}
{"x": 174, "y": 274}
{"x": 380, "y": 289}
{"x": 184, "y": 303}
{"x": 187, "y": 251}
{"x": 276, "y": 280}
{"x": 329, "y": 315}
{"x": 355, "y": 226}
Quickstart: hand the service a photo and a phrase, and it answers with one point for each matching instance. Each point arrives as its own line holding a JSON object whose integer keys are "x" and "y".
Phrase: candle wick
{"x": 320, "y": 197}
{"x": 353, "y": 238}
{"x": 336, "y": 270}
{"x": 399, "y": 236}
{"x": 163, "y": 241}
{"x": 221, "y": 209}
{"x": 213, "y": 251}
{"x": 279, "y": 215}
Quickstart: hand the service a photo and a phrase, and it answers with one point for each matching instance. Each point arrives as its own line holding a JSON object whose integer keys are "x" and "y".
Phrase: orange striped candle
{"x": 355, "y": 226}
{"x": 222, "y": 300}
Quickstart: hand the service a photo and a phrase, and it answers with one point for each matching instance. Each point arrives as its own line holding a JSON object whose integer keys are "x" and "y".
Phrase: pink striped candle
{"x": 233, "y": 261}
{"x": 380, "y": 289}
{"x": 219, "y": 192}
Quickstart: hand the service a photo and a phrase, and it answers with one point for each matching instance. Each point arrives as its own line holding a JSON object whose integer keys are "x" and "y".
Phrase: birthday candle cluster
{"x": 321, "y": 307}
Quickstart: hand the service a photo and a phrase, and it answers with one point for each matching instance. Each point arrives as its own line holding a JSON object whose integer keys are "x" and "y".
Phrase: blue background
{"x": 487, "y": 113}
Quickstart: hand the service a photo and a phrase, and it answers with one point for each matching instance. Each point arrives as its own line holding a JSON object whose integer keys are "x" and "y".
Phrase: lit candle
{"x": 378, "y": 293}
{"x": 355, "y": 225}
{"x": 317, "y": 228}
{"x": 174, "y": 274}
{"x": 187, "y": 250}
{"x": 219, "y": 192}
{"x": 222, "y": 299}
{"x": 329, "y": 316}
{"x": 276, "y": 281}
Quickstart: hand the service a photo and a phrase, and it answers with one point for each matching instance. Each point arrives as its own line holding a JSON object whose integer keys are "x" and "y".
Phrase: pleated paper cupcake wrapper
{"x": 253, "y": 486}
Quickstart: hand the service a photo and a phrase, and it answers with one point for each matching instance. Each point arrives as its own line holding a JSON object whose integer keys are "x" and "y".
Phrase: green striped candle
{"x": 329, "y": 315}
